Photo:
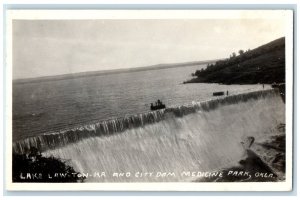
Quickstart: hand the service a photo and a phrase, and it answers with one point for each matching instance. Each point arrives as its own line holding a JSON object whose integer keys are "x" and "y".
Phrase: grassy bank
{"x": 265, "y": 64}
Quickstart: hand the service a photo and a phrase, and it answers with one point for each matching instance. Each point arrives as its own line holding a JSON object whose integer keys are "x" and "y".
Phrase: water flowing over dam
{"x": 202, "y": 136}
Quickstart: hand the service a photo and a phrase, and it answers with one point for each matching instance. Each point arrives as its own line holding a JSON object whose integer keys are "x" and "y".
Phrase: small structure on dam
{"x": 218, "y": 93}
{"x": 281, "y": 88}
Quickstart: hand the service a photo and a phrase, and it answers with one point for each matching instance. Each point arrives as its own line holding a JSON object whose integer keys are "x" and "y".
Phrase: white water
{"x": 201, "y": 141}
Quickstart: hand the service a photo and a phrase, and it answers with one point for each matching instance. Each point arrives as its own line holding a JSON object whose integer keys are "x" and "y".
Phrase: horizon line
{"x": 112, "y": 71}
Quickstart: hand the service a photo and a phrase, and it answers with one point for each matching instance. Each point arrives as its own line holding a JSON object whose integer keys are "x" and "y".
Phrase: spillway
{"x": 202, "y": 136}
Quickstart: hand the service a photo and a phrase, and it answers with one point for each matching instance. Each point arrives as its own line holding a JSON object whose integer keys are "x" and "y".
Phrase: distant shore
{"x": 113, "y": 71}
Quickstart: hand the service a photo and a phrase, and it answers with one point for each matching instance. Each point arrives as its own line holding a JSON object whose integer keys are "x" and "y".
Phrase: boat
{"x": 157, "y": 106}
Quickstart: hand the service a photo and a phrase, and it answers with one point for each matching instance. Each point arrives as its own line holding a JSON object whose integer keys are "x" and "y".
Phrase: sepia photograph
{"x": 165, "y": 100}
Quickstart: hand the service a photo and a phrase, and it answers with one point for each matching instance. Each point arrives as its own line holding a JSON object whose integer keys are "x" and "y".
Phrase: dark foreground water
{"x": 50, "y": 106}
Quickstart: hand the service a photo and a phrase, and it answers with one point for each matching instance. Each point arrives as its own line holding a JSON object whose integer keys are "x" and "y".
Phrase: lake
{"x": 48, "y": 106}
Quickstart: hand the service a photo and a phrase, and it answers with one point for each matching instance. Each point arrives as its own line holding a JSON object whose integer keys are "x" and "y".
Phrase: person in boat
{"x": 158, "y": 105}
{"x": 159, "y": 102}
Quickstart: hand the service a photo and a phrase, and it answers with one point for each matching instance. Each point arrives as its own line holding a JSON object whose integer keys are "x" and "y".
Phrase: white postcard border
{"x": 150, "y": 14}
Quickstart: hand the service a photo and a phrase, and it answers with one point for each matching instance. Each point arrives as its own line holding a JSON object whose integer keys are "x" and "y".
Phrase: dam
{"x": 199, "y": 137}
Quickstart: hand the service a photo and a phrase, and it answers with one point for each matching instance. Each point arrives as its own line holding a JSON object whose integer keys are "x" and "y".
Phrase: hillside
{"x": 265, "y": 64}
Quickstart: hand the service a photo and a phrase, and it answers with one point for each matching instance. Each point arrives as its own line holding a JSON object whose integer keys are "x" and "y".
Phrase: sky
{"x": 54, "y": 47}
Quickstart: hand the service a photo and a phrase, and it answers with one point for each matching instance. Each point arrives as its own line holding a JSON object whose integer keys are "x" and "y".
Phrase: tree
{"x": 241, "y": 52}
{"x": 34, "y": 167}
{"x": 233, "y": 55}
